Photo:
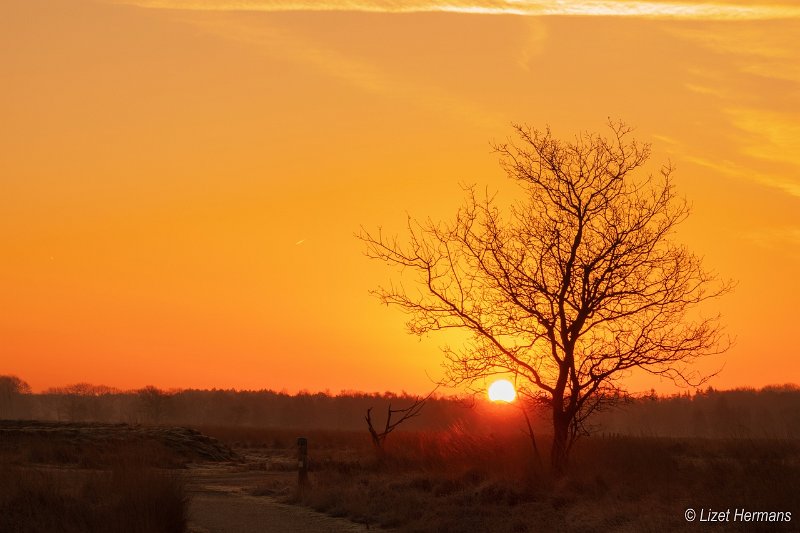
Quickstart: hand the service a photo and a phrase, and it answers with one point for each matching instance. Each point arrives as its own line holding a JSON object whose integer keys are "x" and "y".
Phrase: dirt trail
{"x": 221, "y": 503}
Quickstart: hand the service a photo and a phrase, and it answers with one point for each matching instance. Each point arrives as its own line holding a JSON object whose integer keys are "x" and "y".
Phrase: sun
{"x": 502, "y": 390}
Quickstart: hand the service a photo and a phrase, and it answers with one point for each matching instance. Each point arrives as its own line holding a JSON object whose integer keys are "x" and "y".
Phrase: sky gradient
{"x": 180, "y": 182}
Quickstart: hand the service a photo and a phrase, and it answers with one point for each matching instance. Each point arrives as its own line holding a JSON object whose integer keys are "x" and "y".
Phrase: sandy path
{"x": 221, "y": 503}
{"x": 231, "y": 513}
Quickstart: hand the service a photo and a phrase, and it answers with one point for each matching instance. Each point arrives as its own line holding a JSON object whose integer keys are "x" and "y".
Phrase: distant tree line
{"x": 771, "y": 412}
{"x": 262, "y": 408}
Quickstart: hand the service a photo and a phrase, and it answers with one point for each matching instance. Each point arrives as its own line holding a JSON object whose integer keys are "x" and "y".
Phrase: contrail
{"x": 606, "y": 8}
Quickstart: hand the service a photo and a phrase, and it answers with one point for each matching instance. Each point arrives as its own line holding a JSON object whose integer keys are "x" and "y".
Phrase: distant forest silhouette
{"x": 770, "y": 412}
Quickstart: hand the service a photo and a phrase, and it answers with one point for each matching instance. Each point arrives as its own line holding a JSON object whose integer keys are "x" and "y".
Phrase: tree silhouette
{"x": 12, "y": 390}
{"x": 569, "y": 288}
{"x": 378, "y": 436}
{"x": 153, "y": 403}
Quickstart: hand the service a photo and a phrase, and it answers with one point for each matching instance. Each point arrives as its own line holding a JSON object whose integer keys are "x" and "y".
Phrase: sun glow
{"x": 502, "y": 390}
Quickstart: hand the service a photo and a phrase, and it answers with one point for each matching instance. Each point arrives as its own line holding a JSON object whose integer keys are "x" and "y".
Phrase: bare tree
{"x": 153, "y": 403}
{"x": 379, "y": 436}
{"x": 571, "y": 287}
{"x": 84, "y": 401}
{"x": 12, "y": 391}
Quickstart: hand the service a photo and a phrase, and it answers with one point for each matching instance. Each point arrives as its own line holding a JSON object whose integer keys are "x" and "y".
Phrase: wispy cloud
{"x": 753, "y": 49}
{"x": 363, "y": 75}
{"x": 744, "y": 173}
{"x": 773, "y": 136}
{"x": 781, "y": 237}
{"x": 608, "y": 8}
{"x": 750, "y": 82}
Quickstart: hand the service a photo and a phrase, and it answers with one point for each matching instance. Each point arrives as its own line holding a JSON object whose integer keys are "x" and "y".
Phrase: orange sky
{"x": 179, "y": 188}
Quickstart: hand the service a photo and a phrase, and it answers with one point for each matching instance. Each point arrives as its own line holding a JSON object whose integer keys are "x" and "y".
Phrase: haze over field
{"x": 180, "y": 181}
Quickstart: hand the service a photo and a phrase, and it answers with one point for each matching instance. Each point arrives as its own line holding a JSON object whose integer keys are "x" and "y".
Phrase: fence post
{"x": 302, "y": 463}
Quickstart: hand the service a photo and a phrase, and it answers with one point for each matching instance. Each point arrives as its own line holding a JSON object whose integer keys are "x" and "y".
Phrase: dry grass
{"x": 60, "y": 482}
{"x": 126, "y": 499}
{"x": 460, "y": 481}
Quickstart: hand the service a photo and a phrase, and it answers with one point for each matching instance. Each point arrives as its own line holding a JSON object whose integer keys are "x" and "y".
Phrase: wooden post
{"x": 302, "y": 463}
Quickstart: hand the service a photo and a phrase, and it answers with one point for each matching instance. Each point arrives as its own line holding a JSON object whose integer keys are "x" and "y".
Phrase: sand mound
{"x": 66, "y": 439}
